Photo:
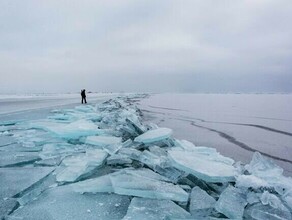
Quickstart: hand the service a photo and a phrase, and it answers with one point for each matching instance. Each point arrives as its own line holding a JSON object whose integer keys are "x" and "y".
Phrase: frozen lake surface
{"x": 130, "y": 157}
{"x": 235, "y": 124}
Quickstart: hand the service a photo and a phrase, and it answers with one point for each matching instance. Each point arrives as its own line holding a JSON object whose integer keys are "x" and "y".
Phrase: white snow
{"x": 19, "y": 102}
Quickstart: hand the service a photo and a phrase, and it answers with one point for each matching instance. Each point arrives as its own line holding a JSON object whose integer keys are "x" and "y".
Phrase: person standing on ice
{"x": 83, "y": 96}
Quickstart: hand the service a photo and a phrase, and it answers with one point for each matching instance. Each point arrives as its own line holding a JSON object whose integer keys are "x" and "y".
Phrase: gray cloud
{"x": 130, "y": 45}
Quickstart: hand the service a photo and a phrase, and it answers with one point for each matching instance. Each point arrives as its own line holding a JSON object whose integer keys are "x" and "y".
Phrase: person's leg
{"x": 82, "y": 100}
{"x": 85, "y": 100}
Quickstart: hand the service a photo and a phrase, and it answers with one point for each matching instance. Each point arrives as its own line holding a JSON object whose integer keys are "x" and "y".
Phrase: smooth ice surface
{"x": 7, "y": 206}
{"x": 62, "y": 203}
{"x": 151, "y": 209}
{"x": 210, "y": 168}
{"x": 6, "y": 140}
{"x": 17, "y": 147}
{"x": 198, "y": 117}
{"x": 155, "y": 135}
{"x": 76, "y": 166}
{"x": 35, "y": 191}
{"x": 8, "y": 159}
{"x": 201, "y": 203}
{"x": 231, "y": 203}
{"x": 14, "y": 181}
{"x": 130, "y": 182}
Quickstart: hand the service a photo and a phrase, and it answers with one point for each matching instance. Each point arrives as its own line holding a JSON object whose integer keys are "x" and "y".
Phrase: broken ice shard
{"x": 201, "y": 204}
{"x": 264, "y": 173}
{"x": 184, "y": 144}
{"x": 131, "y": 182}
{"x": 288, "y": 199}
{"x": 157, "y": 150}
{"x": 99, "y": 184}
{"x": 136, "y": 124}
{"x": 252, "y": 197}
{"x": 250, "y": 181}
{"x": 270, "y": 199}
{"x": 263, "y": 167}
{"x": 59, "y": 149}
{"x": 159, "y": 163}
{"x": 95, "y": 117}
{"x": 130, "y": 152}
{"x": 262, "y": 212}
{"x": 71, "y": 130}
{"x": 102, "y": 141}
{"x": 208, "y": 167}
{"x": 152, "y": 209}
{"x": 76, "y": 129}
{"x": 172, "y": 174}
{"x": 83, "y": 164}
{"x": 155, "y": 135}
{"x": 151, "y": 159}
{"x": 231, "y": 203}
{"x": 104, "y": 184}
{"x": 118, "y": 159}
{"x": 50, "y": 162}
{"x": 146, "y": 173}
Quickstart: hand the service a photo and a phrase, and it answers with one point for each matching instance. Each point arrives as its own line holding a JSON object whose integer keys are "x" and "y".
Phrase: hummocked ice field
{"x": 146, "y": 156}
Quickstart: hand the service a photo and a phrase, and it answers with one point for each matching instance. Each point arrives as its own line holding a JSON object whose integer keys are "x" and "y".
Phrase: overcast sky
{"x": 146, "y": 45}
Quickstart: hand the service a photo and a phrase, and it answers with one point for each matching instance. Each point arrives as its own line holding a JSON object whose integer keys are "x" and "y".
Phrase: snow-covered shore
{"x": 17, "y": 103}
